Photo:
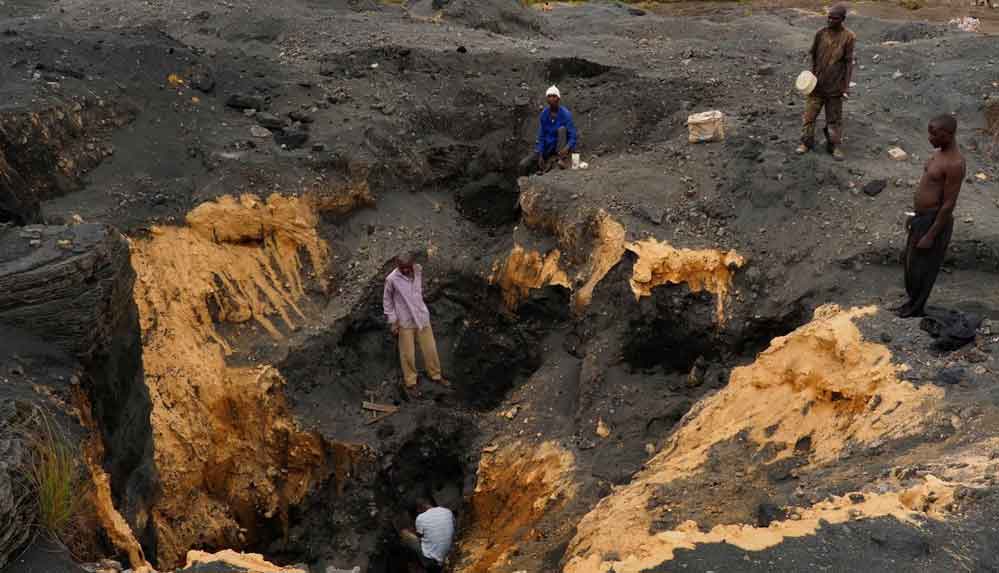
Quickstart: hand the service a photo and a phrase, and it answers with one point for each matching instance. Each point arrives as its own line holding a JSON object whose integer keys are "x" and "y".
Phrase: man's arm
{"x": 814, "y": 50}
{"x": 539, "y": 145}
{"x": 388, "y": 305}
{"x": 570, "y": 128}
{"x": 848, "y": 54}
{"x": 421, "y": 527}
{"x": 953, "y": 177}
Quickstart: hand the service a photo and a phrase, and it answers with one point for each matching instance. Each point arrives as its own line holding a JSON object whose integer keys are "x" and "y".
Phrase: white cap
{"x": 553, "y": 91}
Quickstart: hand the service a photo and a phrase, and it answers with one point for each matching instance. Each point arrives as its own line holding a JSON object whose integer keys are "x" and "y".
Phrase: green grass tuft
{"x": 57, "y": 478}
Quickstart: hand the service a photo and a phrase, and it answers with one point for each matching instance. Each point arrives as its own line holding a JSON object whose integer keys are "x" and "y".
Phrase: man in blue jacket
{"x": 556, "y": 137}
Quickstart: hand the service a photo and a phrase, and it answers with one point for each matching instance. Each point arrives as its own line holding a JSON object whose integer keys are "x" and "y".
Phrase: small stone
{"x": 258, "y": 131}
{"x": 245, "y": 101}
{"x": 875, "y": 187}
{"x": 291, "y": 138}
{"x": 270, "y": 121}
{"x": 898, "y": 154}
{"x": 602, "y": 429}
{"x": 767, "y": 513}
{"x": 981, "y": 176}
{"x": 300, "y": 116}
{"x": 952, "y": 375}
{"x": 896, "y": 75}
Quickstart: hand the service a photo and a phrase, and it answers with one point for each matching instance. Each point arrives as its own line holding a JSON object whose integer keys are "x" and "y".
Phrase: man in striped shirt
{"x": 409, "y": 320}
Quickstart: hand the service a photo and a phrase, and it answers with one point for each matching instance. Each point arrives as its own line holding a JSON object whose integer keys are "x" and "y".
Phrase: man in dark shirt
{"x": 832, "y": 63}
{"x": 556, "y": 137}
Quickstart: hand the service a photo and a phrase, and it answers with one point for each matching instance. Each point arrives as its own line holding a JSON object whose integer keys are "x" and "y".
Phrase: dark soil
{"x": 432, "y": 105}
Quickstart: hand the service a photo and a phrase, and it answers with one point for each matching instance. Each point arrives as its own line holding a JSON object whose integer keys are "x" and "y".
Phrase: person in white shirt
{"x": 431, "y": 541}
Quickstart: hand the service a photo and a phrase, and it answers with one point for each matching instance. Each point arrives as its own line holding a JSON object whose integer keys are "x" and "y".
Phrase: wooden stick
{"x": 379, "y": 407}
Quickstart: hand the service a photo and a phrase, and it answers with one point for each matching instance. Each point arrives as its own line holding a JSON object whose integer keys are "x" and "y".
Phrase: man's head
{"x": 942, "y": 129}
{"x": 422, "y": 504}
{"x": 553, "y": 96}
{"x": 404, "y": 263}
{"x": 836, "y": 16}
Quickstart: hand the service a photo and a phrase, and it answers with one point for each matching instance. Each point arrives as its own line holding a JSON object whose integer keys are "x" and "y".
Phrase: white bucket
{"x": 575, "y": 161}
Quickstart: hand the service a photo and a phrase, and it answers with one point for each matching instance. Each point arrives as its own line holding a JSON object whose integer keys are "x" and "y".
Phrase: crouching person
{"x": 431, "y": 540}
{"x": 557, "y": 138}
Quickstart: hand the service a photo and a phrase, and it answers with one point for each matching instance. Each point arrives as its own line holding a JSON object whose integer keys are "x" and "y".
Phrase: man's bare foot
{"x": 907, "y": 311}
{"x": 412, "y": 392}
{"x": 802, "y": 149}
{"x": 837, "y": 154}
{"x": 443, "y": 382}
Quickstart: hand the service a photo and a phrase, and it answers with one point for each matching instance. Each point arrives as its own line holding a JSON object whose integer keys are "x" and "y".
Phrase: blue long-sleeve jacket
{"x": 548, "y": 131}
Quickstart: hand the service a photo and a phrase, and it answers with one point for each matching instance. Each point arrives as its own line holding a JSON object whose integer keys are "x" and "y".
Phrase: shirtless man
{"x": 930, "y": 229}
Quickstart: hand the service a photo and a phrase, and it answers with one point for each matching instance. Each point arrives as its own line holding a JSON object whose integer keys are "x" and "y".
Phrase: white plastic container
{"x": 575, "y": 161}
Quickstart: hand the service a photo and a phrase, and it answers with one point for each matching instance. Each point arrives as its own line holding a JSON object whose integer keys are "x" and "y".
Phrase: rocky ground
{"x": 200, "y": 200}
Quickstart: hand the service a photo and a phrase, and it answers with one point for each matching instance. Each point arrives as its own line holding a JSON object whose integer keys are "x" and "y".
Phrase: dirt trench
{"x": 257, "y": 442}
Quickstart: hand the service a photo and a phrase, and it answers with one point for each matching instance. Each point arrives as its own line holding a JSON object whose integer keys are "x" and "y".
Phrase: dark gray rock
{"x": 16, "y": 510}
{"x": 300, "y": 116}
{"x": 875, "y": 187}
{"x": 952, "y": 375}
{"x": 291, "y": 138}
{"x": 203, "y": 81}
{"x": 270, "y": 121}
{"x": 246, "y": 101}
{"x": 767, "y": 513}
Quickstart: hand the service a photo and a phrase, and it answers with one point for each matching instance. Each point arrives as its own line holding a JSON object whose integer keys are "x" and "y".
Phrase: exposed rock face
{"x": 71, "y": 286}
{"x": 819, "y": 390}
{"x": 231, "y": 460}
{"x": 16, "y": 511}
{"x": 516, "y": 486}
{"x": 65, "y": 283}
{"x": 43, "y": 153}
{"x": 35, "y": 380}
{"x": 594, "y": 243}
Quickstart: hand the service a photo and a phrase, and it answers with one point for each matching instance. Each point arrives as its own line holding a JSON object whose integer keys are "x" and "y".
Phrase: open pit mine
{"x": 674, "y": 347}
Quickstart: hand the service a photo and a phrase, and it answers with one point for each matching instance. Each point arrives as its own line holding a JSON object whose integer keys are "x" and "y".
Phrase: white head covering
{"x": 553, "y": 91}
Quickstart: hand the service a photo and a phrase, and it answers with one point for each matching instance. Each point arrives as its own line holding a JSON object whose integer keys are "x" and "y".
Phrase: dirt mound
{"x": 233, "y": 561}
{"x": 822, "y": 385}
{"x": 911, "y": 31}
{"x": 506, "y": 17}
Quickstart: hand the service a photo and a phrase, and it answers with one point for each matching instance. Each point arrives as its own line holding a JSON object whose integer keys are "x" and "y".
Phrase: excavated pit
{"x": 601, "y": 345}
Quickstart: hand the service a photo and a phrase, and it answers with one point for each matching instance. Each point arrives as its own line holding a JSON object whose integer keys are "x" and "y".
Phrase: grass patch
{"x": 57, "y": 478}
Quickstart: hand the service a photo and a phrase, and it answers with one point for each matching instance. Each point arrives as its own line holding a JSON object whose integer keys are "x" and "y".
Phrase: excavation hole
{"x": 490, "y": 201}
{"x": 431, "y": 464}
{"x": 559, "y": 69}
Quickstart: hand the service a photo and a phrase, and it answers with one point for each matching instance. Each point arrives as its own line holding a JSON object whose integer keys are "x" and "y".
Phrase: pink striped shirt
{"x": 403, "y": 299}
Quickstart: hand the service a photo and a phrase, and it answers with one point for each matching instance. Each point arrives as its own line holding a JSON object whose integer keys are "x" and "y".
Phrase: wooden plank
{"x": 378, "y": 418}
{"x": 379, "y": 407}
